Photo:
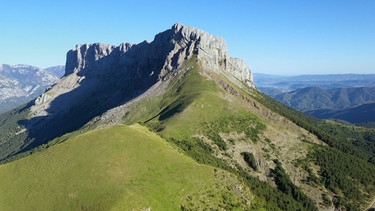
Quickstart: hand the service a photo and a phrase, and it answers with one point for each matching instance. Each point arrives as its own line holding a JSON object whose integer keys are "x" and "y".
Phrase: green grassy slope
{"x": 119, "y": 168}
{"x": 193, "y": 101}
{"x": 208, "y": 116}
{"x": 208, "y": 122}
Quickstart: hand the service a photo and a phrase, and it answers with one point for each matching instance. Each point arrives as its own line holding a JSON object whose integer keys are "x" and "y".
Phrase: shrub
{"x": 250, "y": 160}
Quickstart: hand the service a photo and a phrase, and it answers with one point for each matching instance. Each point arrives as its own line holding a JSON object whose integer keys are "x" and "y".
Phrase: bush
{"x": 250, "y": 160}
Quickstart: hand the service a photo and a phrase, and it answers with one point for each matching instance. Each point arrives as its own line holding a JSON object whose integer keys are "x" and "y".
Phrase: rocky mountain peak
{"x": 211, "y": 51}
{"x": 161, "y": 57}
{"x": 100, "y": 77}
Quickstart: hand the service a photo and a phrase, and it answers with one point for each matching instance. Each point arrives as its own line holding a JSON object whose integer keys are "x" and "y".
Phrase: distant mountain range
{"x": 315, "y": 98}
{"x": 330, "y": 81}
{"x": 22, "y": 83}
{"x": 346, "y": 97}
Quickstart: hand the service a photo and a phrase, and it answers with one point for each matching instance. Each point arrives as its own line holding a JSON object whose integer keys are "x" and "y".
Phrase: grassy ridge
{"x": 119, "y": 167}
{"x": 191, "y": 101}
{"x": 195, "y": 106}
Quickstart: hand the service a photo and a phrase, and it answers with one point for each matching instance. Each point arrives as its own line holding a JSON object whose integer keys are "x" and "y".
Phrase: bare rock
{"x": 162, "y": 56}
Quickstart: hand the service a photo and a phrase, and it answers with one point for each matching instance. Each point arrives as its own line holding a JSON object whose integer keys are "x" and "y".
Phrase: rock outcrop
{"x": 164, "y": 55}
{"x": 211, "y": 51}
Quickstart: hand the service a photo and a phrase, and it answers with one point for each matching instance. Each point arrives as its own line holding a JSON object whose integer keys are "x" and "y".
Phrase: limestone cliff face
{"x": 211, "y": 51}
{"x": 161, "y": 57}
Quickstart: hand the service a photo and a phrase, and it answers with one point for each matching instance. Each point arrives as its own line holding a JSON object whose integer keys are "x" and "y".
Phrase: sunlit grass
{"x": 120, "y": 167}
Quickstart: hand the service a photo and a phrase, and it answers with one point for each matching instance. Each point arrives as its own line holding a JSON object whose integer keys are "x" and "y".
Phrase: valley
{"x": 346, "y": 97}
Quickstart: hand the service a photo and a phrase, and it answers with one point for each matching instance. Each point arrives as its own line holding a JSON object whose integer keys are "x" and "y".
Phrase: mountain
{"x": 91, "y": 84}
{"x": 22, "y": 83}
{"x": 175, "y": 123}
{"x": 314, "y": 98}
{"x": 323, "y": 96}
{"x": 291, "y": 83}
{"x": 58, "y": 70}
{"x": 357, "y": 115}
{"x": 347, "y": 104}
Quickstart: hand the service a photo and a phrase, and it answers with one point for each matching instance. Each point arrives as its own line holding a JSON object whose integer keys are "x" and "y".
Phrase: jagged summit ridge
{"x": 130, "y": 69}
{"x": 100, "y": 77}
{"x": 211, "y": 52}
{"x": 164, "y": 55}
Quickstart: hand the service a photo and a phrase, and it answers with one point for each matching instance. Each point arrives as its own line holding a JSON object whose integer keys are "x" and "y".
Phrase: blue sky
{"x": 271, "y": 36}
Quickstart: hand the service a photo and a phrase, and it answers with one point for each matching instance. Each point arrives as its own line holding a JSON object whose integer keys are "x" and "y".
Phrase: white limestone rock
{"x": 211, "y": 51}
{"x": 171, "y": 48}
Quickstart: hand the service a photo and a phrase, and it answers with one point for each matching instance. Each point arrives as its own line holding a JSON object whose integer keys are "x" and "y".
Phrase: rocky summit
{"x": 161, "y": 57}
